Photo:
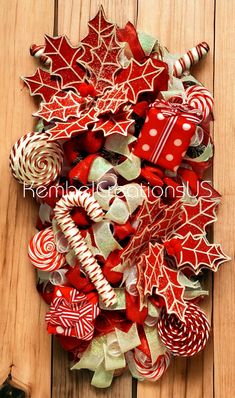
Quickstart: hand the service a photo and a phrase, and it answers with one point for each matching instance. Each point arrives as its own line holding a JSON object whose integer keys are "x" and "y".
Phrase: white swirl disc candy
{"x": 36, "y": 162}
{"x": 42, "y": 251}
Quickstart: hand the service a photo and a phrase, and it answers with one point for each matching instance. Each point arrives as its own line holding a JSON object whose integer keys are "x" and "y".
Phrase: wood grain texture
{"x": 224, "y": 164}
{"x": 72, "y": 21}
{"x": 179, "y": 25}
{"x": 23, "y": 336}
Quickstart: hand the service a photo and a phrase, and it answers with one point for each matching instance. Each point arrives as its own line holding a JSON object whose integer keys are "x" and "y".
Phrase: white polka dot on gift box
{"x": 153, "y": 132}
{"x": 146, "y": 147}
{"x": 178, "y": 142}
{"x": 186, "y": 126}
{"x": 169, "y": 157}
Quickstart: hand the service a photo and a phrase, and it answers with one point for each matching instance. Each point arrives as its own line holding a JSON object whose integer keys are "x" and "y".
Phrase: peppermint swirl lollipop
{"x": 42, "y": 251}
{"x": 34, "y": 161}
{"x": 155, "y": 371}
{"x": 200, "y": 98}
{"x": 184, "y": 338}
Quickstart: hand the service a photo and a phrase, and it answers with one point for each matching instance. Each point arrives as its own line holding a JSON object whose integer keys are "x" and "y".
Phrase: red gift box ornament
{"x": 166, "y": 134}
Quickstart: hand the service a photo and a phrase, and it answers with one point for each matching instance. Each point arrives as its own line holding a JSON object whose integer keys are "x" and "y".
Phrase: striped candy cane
{"x": 77, "y": 243}
{"x": 38, "y": 52}
{"x": 190, "y": 58}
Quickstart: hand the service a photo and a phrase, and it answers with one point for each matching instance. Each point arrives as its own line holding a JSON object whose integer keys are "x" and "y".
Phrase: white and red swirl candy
{"x": 36, "y": 162}
{"x": 42, "y": 251}
{"x": 184, "y": 338}
{"x": 200, "y": 98}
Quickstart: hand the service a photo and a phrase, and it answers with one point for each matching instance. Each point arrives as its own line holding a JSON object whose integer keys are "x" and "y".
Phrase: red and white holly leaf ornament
{"x": 138, "y": 78}
{"x": 172, "y": 291}
{"x": 73, "y": 127}
{"x": 62, "y": 108}
{"x": 198, "y": 253}
{"x": 43, "y": 84}
{"x": 135, "y": 247}
{"x": 111, "y": 101}
{"x": 101, "y": 61}
{"x": 104, "y": 63}
{"x": 197, "y": 216}
{"x": 171, "y": 219}
{"x": 115, "y": 124}
{"x": 148, "y": 213}
{"x": 63, "y": 58}
{"x": 98, "y": 27}
{"x": 154, "y": 261}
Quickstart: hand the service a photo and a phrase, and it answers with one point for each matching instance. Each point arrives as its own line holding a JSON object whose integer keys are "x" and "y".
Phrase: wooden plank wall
{"x": 179, "y": 24}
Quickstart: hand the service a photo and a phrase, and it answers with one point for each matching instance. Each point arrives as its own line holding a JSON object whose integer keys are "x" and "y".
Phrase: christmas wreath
{"x": 116, "y": 163}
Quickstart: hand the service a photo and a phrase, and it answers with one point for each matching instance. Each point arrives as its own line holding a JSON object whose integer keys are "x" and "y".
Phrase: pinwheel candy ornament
{"x": 116, "y": 165}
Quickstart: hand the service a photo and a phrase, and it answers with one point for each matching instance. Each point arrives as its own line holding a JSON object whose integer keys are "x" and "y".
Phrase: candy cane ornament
{"x": 38, "y": 52}
{"x": 194, "y": 55}
{"x": 77, "y": 243}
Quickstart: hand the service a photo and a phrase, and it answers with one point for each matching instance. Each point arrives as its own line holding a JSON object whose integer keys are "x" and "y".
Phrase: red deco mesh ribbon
{"x": 184, "y": 338}
{"x": 71, "y": 314}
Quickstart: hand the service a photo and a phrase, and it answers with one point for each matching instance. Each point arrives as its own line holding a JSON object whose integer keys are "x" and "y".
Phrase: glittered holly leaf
{"x": 62, "y": 108}
{"x": 63, "y": 58}
{"x": 73, "y": 127}
{"x": 98, "y": 28}
{"x": 172, "y": 292}
{"x": 43, "y": 84}
{"x": 104, "y": 62}
{"x": 138, "y": 78}
{"x": 135, "y": 247}
{"x": 154, "y": 261}
{"x": 198, "y": 253}
{"x": 165, "y": 227}
{"x": 111, "y": 101}
{"x": 114, "y": 124}
{"x": 197, "y": 216}
{"x": 148, "y": 213}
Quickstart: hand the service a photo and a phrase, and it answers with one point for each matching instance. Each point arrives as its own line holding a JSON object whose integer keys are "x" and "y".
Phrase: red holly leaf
{"x": 111, "y": 101}
{"x": 148, "y": 213}
{"x": 73, "y": 127}
{"x": 98, "y": 27}
{"x": 165, "y": 227}
{"x": 42, "y": 83}
{"x": 135, "y": 247}
{"x": 172, "y": 292}
{"x": 197, "y": 216}
{"x": 62, "y": 108}
{"x": 198, "y": 253}
{"x": 139, "y": 78}
{"x": 154, "y": 261}
{"x": 104, "y": 62}
{"x": 114, "y": 124}
{"x": 63, "y": 58}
